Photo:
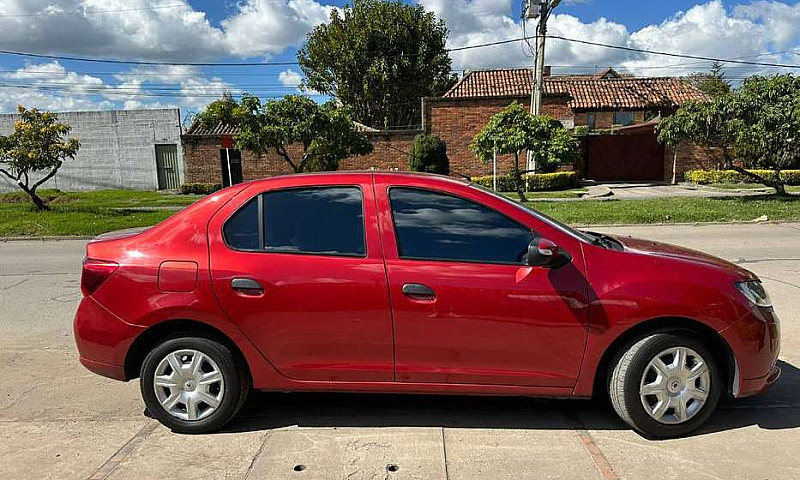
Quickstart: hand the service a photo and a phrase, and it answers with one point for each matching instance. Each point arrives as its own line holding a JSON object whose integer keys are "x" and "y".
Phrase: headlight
{"x": 754, "y": 291}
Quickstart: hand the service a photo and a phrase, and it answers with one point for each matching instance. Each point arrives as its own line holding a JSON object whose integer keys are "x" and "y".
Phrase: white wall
{"x": 117, "y": 149}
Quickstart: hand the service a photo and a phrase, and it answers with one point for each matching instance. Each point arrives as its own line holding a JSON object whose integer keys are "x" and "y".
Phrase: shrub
{"x": 429, "y": 154}
{"x": 200, "y": 188}
{"x": 706, "y": 177}
{"x": 534, "y": 182}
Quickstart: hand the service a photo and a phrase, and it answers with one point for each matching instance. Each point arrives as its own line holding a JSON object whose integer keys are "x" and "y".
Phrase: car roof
{"x": 364, "y": 174}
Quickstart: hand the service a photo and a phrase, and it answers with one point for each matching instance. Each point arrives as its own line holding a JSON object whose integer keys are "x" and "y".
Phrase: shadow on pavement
{"x": 776, "y": 409}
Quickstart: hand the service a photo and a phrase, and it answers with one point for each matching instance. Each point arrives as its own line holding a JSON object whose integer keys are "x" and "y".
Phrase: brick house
{"x": 597, "y": 101}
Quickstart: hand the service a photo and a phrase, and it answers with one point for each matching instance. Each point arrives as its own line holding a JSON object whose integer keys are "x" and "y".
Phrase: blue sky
{"x": 271, "y": 30}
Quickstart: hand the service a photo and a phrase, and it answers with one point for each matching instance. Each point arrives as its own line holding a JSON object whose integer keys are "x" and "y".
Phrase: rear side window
{"x": 241, "y": 230}
{"x": 323, "y": 220}
{"x": 436, "y": 226}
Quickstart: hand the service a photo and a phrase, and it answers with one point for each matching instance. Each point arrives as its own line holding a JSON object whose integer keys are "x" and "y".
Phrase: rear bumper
{"x": 755, "y": 386}
{"x": 103, "y": 339}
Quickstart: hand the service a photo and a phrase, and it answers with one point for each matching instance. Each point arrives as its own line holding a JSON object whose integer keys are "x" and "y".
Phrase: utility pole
{"x": 540, "y": 9}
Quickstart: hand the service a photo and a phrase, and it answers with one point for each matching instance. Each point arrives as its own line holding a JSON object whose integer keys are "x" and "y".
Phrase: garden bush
{"x": 534, "y": 182}
{"x": 200, "y": 188}
{"x": 707, "y": 177}
{"x": 429, "y": 154}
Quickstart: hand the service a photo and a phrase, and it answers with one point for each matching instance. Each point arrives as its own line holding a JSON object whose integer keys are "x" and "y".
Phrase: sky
{"x": 255, "y": 31}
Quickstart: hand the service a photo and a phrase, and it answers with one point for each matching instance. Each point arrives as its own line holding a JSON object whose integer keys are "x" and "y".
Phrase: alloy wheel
{"x": 675, "y": 385}
{"x": 189, "y": 384}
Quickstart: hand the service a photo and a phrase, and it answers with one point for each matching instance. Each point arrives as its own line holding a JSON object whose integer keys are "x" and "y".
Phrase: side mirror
{"x": 546, "y": 254}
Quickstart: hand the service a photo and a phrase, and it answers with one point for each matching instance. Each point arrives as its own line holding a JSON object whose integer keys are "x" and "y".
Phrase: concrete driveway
{"x": 639, "y": 191}
{"x": 59, "y": 421}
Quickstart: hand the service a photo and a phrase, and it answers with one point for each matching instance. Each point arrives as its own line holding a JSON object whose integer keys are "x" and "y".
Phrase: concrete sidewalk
{"x": 59, "y": 421}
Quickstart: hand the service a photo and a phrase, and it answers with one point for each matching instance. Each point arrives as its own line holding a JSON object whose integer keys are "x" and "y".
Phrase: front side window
{"x": 323, "y": 220}
{"x": 436, "y": 226}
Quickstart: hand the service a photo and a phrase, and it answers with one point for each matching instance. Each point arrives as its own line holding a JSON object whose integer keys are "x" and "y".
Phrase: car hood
{"x": 666, "y": 250}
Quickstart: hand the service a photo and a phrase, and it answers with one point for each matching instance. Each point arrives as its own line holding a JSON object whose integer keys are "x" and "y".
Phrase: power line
{"x": 90, "y": 12}
{"x": 138, "y": 62}
{"x": 670, "y": 54}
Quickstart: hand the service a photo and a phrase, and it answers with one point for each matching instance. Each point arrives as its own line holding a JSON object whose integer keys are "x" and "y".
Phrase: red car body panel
{"x": 343, "y": 323}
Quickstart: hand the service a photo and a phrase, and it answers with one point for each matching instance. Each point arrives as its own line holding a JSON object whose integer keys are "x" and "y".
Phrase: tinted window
{"x": 436, "y": 226}
{"x": 241, "y": 230}
{"x": 325, "y": 220}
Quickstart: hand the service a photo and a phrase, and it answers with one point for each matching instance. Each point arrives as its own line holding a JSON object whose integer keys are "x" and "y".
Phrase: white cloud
{"x": 746, "y": 31}
{"x": 140, "y": 29}
{"x": 290, "y": 78}
{"x": 51, "y": 86}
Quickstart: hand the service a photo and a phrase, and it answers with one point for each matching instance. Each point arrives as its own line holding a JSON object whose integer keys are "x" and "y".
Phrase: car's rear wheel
{"x": 665, "y": 385}
{"x": 193, "y": 384}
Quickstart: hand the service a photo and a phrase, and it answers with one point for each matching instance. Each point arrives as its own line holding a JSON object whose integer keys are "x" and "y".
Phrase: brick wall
{"x": 690, "y": 157}
{"x": 202, "y": 158}
{"x": 457, "y": 121}
{"x": 605, "y": 119}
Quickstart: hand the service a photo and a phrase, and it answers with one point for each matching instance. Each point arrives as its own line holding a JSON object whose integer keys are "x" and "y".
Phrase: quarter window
{"x": 241, "y": 230}
{"x": 437, "y": 226}
{"x": 324, "y": 220}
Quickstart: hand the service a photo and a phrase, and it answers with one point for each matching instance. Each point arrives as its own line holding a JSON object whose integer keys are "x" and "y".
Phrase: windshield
{"x": 582, "y": 236}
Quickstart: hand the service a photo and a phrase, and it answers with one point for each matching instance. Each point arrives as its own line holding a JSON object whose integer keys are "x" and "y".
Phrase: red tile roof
{"x": 199, "y": 130}
{"x": 607, "y": 90}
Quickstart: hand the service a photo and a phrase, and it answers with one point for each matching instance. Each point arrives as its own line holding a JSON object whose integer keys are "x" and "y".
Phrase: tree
{"x": 429, "y": 154}
{"x": 37, "y": 145}
{"x": 513, "y": 130}
{"x": 770, "y": 134}
{"x": 379, "y": 58}
{"x": 712, "y": 83}
{"x": 757, "y": 126}
{"x": 325, "y": 133}
{"x": 712, "y": 124}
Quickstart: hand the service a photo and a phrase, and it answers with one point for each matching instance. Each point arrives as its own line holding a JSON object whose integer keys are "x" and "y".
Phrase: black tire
{"x": 235, "y": 377}
{"x": 626, "y": 376}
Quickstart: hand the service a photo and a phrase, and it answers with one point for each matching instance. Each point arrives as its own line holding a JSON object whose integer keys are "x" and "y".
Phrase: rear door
{"x": 299, "y": 268}
{"x": 465, "y": 308}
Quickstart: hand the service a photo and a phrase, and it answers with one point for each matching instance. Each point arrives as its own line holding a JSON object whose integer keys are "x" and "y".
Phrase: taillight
{"x": 94, "y": 273}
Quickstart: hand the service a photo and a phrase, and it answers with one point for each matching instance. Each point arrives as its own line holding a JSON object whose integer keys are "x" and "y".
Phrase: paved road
{"x": 59, "y": 421}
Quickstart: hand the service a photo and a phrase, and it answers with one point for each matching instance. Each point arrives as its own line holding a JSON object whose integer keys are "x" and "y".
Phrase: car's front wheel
{"x": 193, "y": 384}
{"x": 665, "y": 385}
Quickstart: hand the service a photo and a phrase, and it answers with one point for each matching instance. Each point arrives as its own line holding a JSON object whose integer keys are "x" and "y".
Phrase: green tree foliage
{"x": 755, "y": 127}
{"x": 379, "y": 58}
{"x": 513, "y": 130}
{"x": 429, "y": 154}
{"x": 37, "y": 145}
{"x": 712, "y": 83}
{"x": 325, "y": 133}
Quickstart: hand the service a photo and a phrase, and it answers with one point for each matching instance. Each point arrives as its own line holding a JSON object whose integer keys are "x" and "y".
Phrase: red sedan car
{"x": 378, "y": 282}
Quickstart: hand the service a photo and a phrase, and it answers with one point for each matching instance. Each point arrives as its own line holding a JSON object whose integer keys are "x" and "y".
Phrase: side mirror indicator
{"x": 546, "y": 254}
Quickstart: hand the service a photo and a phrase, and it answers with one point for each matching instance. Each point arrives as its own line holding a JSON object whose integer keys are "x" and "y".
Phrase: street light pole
{"x": 542, "y": 11}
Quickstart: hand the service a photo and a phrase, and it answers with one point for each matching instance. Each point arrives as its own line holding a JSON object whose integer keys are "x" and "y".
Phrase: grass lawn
{"x": 748, "y": 186}
{"x": 669, "y": 210}
{"x": 92, "y": 213}
{"x": 86, "y": 213}
{"x": 573, "y": 193}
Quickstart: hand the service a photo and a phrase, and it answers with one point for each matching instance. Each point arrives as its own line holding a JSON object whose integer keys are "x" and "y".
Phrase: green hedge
{"x": 200, "y": 188}
{"x": 536, "y": 182}
{"x": 706, "y": 177}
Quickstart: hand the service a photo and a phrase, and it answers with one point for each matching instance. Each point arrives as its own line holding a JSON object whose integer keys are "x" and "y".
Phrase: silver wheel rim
{"x": 675, "y": 385}
{"x": 189, "y": 384}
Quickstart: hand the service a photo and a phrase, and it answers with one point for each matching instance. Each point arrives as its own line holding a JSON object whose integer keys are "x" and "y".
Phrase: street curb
{"x": 33, "y": 238}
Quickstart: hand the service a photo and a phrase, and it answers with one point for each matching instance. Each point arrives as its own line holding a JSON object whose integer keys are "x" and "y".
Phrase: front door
{"x": 167, "y": 167}
{"x": 301, "y": 272}
{"x": 465, "y": 308}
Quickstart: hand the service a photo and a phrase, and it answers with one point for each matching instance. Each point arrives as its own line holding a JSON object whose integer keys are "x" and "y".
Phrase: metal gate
{"x": 167, "y": 166}
{"x": 632, "y": 157}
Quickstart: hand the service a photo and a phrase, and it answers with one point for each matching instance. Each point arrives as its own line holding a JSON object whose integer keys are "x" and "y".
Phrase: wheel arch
{"x": 159, "y": 332}
{"x": 719, "y": 347}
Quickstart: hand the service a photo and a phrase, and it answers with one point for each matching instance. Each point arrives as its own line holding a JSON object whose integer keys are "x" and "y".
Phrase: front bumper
{"x": 103, "y": 339}
{"x": 755, "y": 340}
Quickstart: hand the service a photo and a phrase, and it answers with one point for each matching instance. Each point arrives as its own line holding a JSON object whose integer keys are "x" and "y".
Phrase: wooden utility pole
{"x": 540, "y": 9}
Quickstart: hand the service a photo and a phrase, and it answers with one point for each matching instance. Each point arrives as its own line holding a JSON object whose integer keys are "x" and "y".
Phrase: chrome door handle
{"x": 248, "y": 286}
{"x": 417, "y": 290}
